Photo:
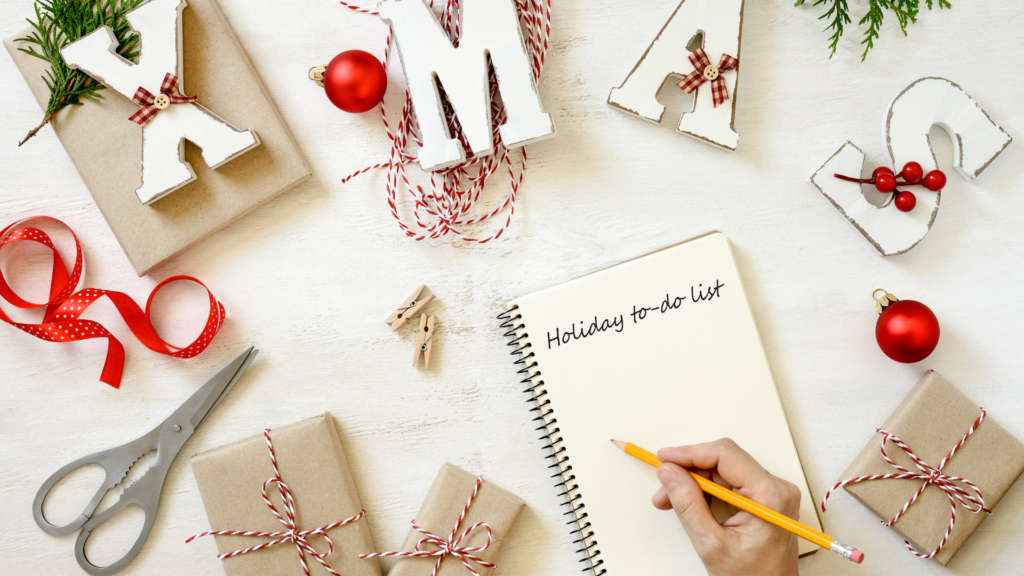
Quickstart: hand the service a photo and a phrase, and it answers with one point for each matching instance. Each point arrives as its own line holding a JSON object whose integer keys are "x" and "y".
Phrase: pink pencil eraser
{"x": 857, "y": 556}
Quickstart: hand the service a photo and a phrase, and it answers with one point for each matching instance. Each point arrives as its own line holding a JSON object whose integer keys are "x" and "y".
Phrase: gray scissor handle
{"x": 115, "y": 463}
{"x": 145, "y": 493}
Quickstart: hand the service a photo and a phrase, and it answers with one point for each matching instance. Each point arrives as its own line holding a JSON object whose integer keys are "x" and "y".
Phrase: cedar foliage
{"x": 838, "y": 16}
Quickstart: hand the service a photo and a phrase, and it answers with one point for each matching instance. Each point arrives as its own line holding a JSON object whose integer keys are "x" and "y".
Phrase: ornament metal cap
{"x": 881, "y": 302}
{"x": 316, "y": 74}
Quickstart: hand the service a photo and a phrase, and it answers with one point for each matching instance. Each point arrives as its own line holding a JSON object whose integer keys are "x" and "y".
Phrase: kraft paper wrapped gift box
{"x": 440, "y": 511}
{"x": 312, "y": 464}
{"x": 931, "y": 420}
{"x": 106, "y": 147}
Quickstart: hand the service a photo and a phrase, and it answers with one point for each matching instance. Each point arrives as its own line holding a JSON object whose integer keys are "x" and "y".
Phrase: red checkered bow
{"x": 703, "y": 71}
{"x": 149, "y": 110}
{"x": 451, "y": 546}
{"x": 292, "y": 534}
{"x": 931, "y": 475}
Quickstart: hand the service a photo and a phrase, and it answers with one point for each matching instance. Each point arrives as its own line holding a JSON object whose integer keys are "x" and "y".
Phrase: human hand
{"x": 743, "y": 545}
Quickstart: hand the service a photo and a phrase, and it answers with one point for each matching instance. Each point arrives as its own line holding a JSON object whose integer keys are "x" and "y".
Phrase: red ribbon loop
{"x": 931, "y": 475}
{"x": 291, "y": 533}
{"x": 701, "y": 64}
{"x": 61, "y": 321}
{"x": 450, "y": 547}
{"x": 146, "y": 99}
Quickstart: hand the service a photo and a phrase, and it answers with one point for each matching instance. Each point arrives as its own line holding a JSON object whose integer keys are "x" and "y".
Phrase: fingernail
{"x": 668, "y": 476}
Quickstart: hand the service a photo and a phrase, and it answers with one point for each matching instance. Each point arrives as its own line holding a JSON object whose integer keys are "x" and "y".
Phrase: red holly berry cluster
{"x": 886, "y": 182}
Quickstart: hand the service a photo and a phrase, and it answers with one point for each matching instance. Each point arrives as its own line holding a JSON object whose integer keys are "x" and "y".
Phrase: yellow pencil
{"x": 748, "y": 505}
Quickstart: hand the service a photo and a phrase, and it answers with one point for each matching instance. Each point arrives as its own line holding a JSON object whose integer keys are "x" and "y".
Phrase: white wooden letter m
{"x": 164, "y": 170}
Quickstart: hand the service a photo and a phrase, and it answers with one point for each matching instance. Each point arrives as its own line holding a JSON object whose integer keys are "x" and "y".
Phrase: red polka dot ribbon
{"x": 291, "y": 532}
{"x": 973, "y": 503}
{"x": 450, "y": 547}
{"x": 61, "y": 319}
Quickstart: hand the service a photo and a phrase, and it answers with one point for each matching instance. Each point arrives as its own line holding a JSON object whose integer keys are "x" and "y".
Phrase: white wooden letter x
{"x": 164, "y": 170}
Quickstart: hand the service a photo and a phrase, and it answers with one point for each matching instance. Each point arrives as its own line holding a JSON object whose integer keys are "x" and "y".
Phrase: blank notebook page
{"x": 659, "y": 351}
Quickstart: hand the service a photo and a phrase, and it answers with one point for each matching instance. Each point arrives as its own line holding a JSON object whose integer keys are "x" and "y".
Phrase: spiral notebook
{"x": 660, "y": 351}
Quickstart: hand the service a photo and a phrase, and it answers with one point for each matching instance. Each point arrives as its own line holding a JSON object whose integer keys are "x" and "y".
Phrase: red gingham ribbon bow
{"x": 62, "y": 317}
{"x": 704, "y": 71}
{"x": 451, "y": 546}
{"x": 149, "y": 110}
{"x": 931, "y": 475}
{"x": 292, "y": 533}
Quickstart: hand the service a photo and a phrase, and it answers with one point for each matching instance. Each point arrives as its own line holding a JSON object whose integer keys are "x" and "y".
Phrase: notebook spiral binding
{"x": 516, "y": 330}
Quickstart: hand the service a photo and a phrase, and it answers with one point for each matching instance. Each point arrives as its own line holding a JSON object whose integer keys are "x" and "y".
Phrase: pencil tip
{"x": 619, "y": 443}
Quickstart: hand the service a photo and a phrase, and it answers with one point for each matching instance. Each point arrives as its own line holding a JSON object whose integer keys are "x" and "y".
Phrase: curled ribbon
{"x": 291, "y": 532}
{"x": 703, "y": 72}
{"x": 61, "y": 321}
{"x": 152, "y": 105}
{"x": 450, "y": 547}
{"x": 974, "y": 503}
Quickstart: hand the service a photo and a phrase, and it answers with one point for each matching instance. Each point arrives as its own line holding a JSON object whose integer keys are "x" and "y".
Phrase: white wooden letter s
{"x": 905, "y": 126}
{"x": 489, "y": 27}
{"x": 164, "y": 170}
{"x": 721, "y": 23}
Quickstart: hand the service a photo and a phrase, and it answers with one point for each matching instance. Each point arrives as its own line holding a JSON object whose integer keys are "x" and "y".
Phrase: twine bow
{"x": 152, "y": 105}
{"x": 292, "y": 533}
{"x": 450, "y": 547}
{"x": 974, "y": 503}
{"x": 703, "y": 72}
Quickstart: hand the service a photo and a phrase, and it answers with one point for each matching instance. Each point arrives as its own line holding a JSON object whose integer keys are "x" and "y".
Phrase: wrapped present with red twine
{"x": 284, "y": 504}
{"x": 935, "y": 470}
{"x": 459, "y": 529}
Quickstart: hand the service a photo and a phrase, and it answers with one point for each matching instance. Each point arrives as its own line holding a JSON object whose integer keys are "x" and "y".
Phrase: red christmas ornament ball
{"x": 907, "y": 331}
{"x": 935, "y": 180}
{"x": 355, "y": 81}
{"x": 905, "y": 201}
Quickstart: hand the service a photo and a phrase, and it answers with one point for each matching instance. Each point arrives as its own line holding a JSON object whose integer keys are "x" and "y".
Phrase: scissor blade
{"x": 214, "y": 391}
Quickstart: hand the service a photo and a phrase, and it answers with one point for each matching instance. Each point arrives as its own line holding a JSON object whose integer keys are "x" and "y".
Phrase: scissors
{"x": 167, "y": 439}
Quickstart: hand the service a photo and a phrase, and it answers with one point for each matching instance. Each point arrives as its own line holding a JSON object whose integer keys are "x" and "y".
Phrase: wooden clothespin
{"x": 424, "y": 341}
{"x": 412, "y": 305}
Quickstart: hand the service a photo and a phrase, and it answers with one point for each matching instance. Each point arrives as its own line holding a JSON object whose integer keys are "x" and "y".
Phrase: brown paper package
{"x": 440, "y": 511}
{"x": 106, "y": 147}
{"x": 313, "y": 465}
{"x": 931, "y": 420}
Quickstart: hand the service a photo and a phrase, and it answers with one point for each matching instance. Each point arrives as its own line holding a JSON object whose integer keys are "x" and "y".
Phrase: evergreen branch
{"x": 57, "y": 24}
{"x": 838, "y": 15}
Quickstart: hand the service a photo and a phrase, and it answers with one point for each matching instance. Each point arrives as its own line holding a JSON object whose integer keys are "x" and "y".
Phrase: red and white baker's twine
{"x": 444, "y": 208}
{"x": 61, "y": 321}
{"x": 974, "y": 503}
{"x": 451, "y": 546}
{"x": 292, "y": 533}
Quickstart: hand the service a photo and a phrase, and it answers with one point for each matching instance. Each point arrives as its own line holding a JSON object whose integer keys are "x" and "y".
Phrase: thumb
{"x": 688, "y": 503}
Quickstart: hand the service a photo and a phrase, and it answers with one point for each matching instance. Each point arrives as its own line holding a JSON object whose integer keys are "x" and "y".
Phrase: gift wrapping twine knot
{"x": 703, "y": 72}
{"x": 444, "y": 209}
{"x": 292, "y": 533}
{"x": 152, "y": 105}
{"x": 450, "y": 547}
{"x": 61, "y": 321}
{"x": 931, "y": 475}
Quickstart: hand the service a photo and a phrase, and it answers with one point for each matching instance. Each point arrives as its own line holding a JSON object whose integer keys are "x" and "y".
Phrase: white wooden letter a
{"x": 164, "y": 170}
{"x": 720, "y": 21}
{"x": 489, "y": 28}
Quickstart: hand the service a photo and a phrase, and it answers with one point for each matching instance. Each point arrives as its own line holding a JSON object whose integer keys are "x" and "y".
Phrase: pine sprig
{"x": 57, "y": 24}
{"x": 838, "y": 15}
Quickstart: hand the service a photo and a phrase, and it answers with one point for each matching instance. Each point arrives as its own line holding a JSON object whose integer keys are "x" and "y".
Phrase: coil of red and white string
{"x": 974, "y": 503}
{"x": 61, "y": 321}
{"x": 450, "y": 547}
{"x": 292, "y": 533}
{"x": 445, "y": 208}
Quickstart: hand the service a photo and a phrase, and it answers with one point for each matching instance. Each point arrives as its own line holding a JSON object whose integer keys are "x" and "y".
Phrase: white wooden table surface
{"x": 309, "y": 277}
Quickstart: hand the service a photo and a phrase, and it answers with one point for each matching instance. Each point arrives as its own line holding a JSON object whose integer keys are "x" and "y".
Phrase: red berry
{"x": 881, "y": 170}
{"x": 912, "y": 172}
{"x": 905, "y": 201}
{"x": 935, "y": 180}
{"x": 885, "y": 183}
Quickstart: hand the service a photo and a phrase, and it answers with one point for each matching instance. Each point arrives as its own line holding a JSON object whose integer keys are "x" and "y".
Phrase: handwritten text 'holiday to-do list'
{"x": 698, "y": 294}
